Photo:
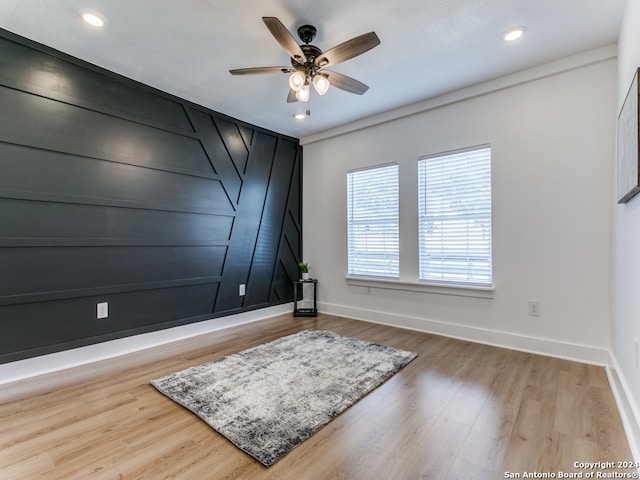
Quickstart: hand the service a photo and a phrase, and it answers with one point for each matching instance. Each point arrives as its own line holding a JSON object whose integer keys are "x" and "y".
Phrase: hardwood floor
{"x": 459, "y": 411}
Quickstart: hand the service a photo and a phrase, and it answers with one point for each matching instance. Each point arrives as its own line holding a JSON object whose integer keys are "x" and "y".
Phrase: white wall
{"x": 552, "y": 145}
{"x": 625, "y": 258}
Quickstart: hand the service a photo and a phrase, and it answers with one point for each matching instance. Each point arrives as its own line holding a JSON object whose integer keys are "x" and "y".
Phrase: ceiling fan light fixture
{"x": 297, "y": 80}
{"x": 303, "y": 93}
{"x": 321, "y": 84}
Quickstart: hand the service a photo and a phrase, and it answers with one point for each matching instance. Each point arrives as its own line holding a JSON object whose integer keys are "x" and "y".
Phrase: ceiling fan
{"x": 308, "y": 62}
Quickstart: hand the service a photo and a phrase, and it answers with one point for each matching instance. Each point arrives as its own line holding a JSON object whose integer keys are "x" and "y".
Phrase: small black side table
{"x": 305, "y": 312}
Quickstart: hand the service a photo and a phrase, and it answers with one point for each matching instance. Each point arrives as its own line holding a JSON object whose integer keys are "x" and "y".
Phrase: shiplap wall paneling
{"x": 111, "y": 191}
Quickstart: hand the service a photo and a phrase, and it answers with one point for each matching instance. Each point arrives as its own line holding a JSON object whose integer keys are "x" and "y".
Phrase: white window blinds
{"x": 372, "y": 222}
{"x": 454, "y": 217}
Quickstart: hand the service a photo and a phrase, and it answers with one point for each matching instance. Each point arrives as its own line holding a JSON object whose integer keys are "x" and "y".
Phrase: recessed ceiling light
{"x": 299, "y": 116}
{"x": 513, "y": 34}
{"x": 93, "y": 18}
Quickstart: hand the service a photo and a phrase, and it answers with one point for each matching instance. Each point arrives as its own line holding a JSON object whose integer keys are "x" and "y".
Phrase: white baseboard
{"x": 629, "y": 412}
{"x": 54, "y": 362}
{"x": 541, "y": 346}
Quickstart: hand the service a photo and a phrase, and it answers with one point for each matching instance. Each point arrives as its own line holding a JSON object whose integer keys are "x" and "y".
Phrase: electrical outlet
{"x": 534, "y": 309}
{"x": 102, "y": 310}
{"x": 241, "y": 290}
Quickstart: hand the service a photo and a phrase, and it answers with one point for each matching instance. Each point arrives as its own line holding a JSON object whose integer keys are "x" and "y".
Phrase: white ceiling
{"x": 428, "y": 47}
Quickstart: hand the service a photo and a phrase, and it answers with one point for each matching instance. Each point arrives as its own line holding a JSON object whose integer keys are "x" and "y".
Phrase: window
{"x": 372, "y": 222}
{"x": 454, "y": 217}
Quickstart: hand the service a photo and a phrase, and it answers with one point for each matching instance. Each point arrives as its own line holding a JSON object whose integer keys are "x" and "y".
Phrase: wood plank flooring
{"x": 459, "y": 411}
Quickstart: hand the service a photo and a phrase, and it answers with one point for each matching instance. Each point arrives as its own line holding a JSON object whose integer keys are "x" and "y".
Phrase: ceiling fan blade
{"x": 284, "y": 38}
{"x": 349, "y": 49}
{"x": 345, "y": 83}
{"x": 291, "y": 98}
{"x": 258, "y": 70}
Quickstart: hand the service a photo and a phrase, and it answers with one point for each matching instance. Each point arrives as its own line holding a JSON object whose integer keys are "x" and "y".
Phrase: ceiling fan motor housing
{"x": 311, "y": 52}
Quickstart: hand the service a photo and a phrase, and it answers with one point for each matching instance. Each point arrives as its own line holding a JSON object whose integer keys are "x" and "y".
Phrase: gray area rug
{"x": 268, "y": 399}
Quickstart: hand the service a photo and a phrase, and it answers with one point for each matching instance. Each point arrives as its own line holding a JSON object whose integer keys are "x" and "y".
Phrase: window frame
{"x": 392, "y": 274}
{"x": 487, "y": 203}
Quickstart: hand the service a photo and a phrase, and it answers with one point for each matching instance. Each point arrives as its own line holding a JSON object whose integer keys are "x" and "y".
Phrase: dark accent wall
{"x": 111, "y": 191}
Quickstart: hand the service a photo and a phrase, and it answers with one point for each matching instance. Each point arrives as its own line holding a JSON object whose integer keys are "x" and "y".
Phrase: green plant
{"x": 304, "y": 267}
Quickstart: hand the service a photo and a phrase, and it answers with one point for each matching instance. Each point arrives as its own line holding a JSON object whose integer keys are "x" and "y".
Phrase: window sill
{"x": 421, "y": 287}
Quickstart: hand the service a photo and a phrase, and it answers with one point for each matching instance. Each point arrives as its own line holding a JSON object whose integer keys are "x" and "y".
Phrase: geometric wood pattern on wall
{"x": 111, "y": 191}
